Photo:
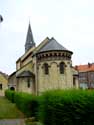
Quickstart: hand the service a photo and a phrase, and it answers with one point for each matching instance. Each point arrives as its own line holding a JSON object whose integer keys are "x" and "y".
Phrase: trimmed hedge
{"x": 59, "y": 107}
{"x": 27, "y": 103}
{"x": 70, "y": 107}
{"x": 10, "y": 95}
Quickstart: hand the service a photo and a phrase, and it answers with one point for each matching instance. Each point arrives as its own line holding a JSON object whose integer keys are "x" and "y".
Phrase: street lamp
{"x": 1, "y": 18}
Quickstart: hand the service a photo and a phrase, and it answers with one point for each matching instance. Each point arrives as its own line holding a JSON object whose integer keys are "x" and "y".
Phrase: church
{"x": 44, "y": 67}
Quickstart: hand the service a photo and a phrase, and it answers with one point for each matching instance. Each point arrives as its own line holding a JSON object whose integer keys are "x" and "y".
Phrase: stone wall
{"x": 3, "y": 83}
{"x": 22, "y": 85}
{"x": 55, "y": 80}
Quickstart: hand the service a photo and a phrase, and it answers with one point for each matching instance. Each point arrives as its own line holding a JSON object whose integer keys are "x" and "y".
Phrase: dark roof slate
{"x": 25, "y": 74}
{"x": 52, "y": 45}
{"x": 29, "y": 39}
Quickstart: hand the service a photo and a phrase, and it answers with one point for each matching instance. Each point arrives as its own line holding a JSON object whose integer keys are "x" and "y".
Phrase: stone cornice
{"x": 54, "y": 55}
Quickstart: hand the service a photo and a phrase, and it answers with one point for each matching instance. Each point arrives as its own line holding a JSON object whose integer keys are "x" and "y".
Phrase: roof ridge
{"x": 42, "y": 43}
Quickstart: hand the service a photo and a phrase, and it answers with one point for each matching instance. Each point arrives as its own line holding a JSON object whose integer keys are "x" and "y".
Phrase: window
{"x": 46, "y": 68}
{"x": 62, "y": 65}
{"x": 91, "y": 76}
{"x": 83, "y": 85}
{"x": 83, "y": 76}
{"x": 28, "y": 83}
{"x": 92, "y": 85}
{"x": 0, "y": 86}
{"x": 74, "y": 81}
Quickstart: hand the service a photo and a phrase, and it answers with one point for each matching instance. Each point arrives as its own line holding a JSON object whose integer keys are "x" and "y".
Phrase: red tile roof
{"x": 85, "y": 68}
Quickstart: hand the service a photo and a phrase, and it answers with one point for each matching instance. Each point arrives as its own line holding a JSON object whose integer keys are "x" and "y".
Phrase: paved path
{"x": 12, "y": 122}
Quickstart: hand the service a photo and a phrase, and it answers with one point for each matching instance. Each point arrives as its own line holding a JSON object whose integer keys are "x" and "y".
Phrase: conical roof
{"x": 52, "y": 45}
{"x": 29, "y": 39}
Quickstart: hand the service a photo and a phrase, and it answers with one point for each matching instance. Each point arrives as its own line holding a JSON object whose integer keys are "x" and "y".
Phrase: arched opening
{"x": 12, "y": 88}
{"x": 62, "y": 67}
{"x": 28, "y": 82}
{"x": 46, "y": 68}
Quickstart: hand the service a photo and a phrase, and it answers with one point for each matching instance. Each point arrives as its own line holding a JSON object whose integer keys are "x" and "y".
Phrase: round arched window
{"x": 46, "y": 68}
{"x": 62, "y": 67}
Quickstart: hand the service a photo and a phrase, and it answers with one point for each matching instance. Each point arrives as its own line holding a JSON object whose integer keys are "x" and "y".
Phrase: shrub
{"x": 27, "y": 103}
{"x": 10, "y": 95}
{"x": 58, "y": 107}
{"x": 70, "y": 107}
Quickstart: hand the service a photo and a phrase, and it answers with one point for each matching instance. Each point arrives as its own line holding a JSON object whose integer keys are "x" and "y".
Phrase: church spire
{"x": 29, "y": 39}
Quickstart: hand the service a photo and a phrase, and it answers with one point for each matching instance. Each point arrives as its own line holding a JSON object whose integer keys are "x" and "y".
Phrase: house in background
{"x": 86, "y": 76}
{"x": 45, "y": 67}
{"x": 3, "y": 83}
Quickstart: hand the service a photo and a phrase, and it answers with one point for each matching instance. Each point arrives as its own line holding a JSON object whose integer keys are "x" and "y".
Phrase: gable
{"x": 41, "y": 45}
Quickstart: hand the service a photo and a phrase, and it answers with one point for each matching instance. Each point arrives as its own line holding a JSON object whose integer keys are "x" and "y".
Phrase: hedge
{"x": 58, "y": 107}
{"x": 27, "y": 103}
{"x": 10, "y": 95}
{"x": 70, "y": 107}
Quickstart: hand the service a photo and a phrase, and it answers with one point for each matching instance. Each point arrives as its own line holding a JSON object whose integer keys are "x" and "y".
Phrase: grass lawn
{"x": 9, "y": 110}
{"x": 33, "y": 123}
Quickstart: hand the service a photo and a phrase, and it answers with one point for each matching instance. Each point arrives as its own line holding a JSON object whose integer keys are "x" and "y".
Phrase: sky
{"x": 70, "y": 22}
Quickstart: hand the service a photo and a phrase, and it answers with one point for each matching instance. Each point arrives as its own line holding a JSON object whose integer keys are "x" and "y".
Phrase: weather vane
{"x": 1, "y": 18}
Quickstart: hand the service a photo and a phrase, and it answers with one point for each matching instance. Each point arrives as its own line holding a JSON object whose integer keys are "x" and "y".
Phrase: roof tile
{"x": 52, "y": 45}
{"x": 85, "y": 68}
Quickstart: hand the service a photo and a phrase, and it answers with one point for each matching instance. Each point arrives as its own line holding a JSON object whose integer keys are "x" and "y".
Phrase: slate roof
{"x": 52, "y": 45}
{"x": 25, "y": 74}
{"x": 29, "y": 39}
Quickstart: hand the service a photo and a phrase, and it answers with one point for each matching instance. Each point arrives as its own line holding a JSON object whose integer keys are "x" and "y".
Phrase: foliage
{"x": 70, "y": 107}
{"x": 58, "y": 107}
{"x": 27, "y": 103}
{"x": 10, "y": 95}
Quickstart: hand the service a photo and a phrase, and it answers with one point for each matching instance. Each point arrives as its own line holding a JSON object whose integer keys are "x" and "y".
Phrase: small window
{"x": 46, "y": 68}
{"x": 28, "y": 83}
{"x": 0, "y": 86}
{"x": 74, "y": 81}
{"x": 62, "y": 65}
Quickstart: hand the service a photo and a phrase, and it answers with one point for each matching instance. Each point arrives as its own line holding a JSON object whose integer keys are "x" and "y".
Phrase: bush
{"x": 70, "y": 107}
{"x": 10, "y": 95}
{"x": 59, "y": 107}
{"x": 27, "y": 103}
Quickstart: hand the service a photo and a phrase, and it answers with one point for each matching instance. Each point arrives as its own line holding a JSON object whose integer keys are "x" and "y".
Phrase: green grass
{"x": 33, "y": 123}
{"x": 9, "y": 110}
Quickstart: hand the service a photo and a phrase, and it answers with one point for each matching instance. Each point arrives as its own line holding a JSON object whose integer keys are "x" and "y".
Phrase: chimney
{"x": 76, "y": 67}
{"x": 89, "y": 65}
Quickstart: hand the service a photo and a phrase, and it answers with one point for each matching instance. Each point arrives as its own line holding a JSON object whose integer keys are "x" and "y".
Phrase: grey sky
{"x": 70, "y": 22}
